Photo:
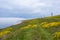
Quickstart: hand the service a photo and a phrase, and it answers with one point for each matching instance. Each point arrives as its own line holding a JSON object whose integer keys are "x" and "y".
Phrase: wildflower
{"x": 29, "y": 26}
{"x": 51, "y": 24}
{"x": 5, "y": 31}
{"x": 56, "y": 35}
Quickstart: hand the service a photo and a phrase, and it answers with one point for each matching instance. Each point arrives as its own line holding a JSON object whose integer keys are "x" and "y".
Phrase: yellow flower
{"x": 5, "y": 31}
{"x": 26, "y": 27}
{"x": 56, "y": 35}
{"x": 51, "y": 24}
{"x": 43, "y": 23}
{"x": 29, "y": 26}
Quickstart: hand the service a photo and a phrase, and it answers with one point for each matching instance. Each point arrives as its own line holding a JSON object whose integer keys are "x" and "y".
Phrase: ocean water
{"x": 5, "y": 22}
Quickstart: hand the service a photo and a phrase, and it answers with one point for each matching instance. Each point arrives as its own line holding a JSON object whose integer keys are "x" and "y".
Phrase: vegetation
{"x": 47, "y": 28}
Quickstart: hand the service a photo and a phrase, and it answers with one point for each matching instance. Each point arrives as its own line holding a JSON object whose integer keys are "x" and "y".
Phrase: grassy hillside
{"x": 47, "y": 28}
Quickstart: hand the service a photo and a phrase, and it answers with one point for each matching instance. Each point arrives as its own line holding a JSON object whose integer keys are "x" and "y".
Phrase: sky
{"x": 25, "y": 9}
{"x": 29, "y": 8}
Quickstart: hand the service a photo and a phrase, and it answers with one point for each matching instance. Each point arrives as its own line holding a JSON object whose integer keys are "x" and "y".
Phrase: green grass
{"x": 35, "y": 33}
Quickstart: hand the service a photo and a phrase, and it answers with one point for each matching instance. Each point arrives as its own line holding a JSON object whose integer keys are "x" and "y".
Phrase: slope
{"x": 47, "y": 28}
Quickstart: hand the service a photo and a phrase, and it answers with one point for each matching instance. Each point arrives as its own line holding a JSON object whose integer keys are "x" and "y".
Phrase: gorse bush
{"x": 5, "y": 31}
{"x": 56, "y": 36}
{"x": 50, "y": 24}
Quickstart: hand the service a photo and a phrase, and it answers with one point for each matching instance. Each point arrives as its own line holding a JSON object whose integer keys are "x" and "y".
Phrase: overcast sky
{"x": 28, "y": 8}
{"x": 11, "y": 11}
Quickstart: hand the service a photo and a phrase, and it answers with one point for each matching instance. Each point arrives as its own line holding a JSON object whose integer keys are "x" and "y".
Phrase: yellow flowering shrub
{"x": 5, "y": 31}
{"x": 56, "y": 35}
{"x": 51, "y": 24}
{"x": 29, "y": 26}
{"x": 43, "y": 23}
{"x": 26, "y": 27}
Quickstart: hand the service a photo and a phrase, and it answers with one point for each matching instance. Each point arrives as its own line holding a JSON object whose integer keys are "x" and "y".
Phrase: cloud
{"x": 28, "y": 7}
{"x": 24, "y": 5}
{"x": 5, "y": 22}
